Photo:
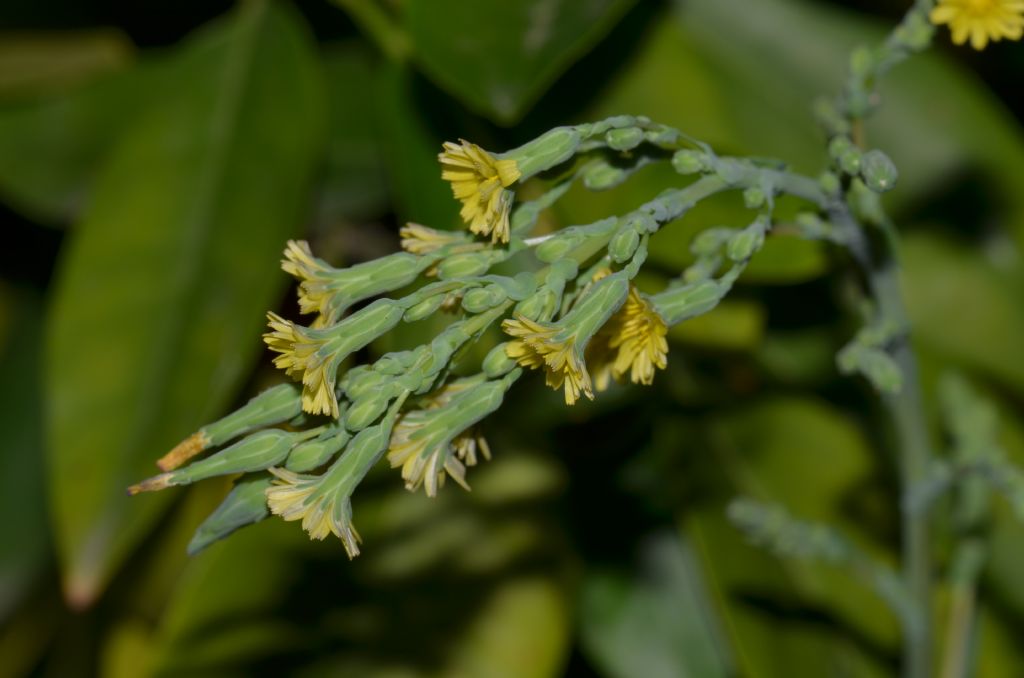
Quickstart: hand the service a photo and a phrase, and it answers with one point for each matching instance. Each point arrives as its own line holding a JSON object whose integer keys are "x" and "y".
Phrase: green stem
{"x": 906, "y": 412}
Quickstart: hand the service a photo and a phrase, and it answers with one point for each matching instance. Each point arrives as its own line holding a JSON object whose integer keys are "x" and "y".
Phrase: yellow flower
{"x": 540, "y": 345}
{"x": 304, "y": 354}
{"x": 480, "y": 181}
{"x": 636, "y": 337}
{"x": 295, "y": 496}
{"x": 981, "y": 20}
{"x": 426, "y": 455}
{"x": 315, "y": 292}
{"x": 419, "y": 239}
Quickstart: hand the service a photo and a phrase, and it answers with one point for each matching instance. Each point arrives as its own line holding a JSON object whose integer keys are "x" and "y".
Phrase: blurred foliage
{"x": 153, "y": 161}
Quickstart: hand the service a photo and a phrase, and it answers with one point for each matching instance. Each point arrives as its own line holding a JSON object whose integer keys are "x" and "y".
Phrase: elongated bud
{"x": 600, "y": 175}
{"x": 483, "y": 298}
{"x": 315, "y": 453}
{"x": 678, "y": 304}
{"x": 273, "y": 406}
{"x": 259, "y": 451}
{"x": 744, "y": 244}
{"x": 245, "y": 504}
{"x": 467, "y": 264}
{"x": 878, "y": 171}
{"x": 624, "y": 139}
{"x": 709, "y": 241}
{"x": 424, "y": 309}
{"x": 498, "y": 363}
{"x": 362, "y": 380}
{"x": 550, "y": 149}
{"x": 367, "y": 410}
{"x": 623, "y": 244}
{"x": 690, "y": 162}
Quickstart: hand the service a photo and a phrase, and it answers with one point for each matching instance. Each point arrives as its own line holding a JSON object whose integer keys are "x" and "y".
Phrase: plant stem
{"x": 906, "y": 412}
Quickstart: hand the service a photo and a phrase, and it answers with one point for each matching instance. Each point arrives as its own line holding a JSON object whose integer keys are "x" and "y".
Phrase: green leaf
{"x": 51, "y": 148}
{"x": 26, "y": 540}
{"x": 808, "y": 457}
{"x": 161, "y": 292}
{"x": 499, "y": 57}
{"x": 410, "y": 149}
{"x": 963, "y": 308}
{"x": 654, "y": 621}
{"x": 354, "y": 182}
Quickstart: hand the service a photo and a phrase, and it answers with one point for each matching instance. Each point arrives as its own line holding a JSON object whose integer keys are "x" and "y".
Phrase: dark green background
{"x": 154, "y": 158}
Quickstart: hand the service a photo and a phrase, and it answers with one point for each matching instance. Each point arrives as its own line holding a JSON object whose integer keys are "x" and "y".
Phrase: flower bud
{"x": 878, "y": 171}
{"x": 245, "y": 504}
{"x": 754, "y": 198}
{"x": 366, "y": 410}
{"x": 601, "y": 176}
{"x": 481, "y": 299}
{"x": 829, "y": 183}
{"x": 680, "y": 303}
{"x": 315, "y": 453}
{"x": 709, "y": 241}
{"x": 497, "y": 363}
{"x": 550, "y": 149}
{"x": 423, "y": 309}
{"x": 690, "y": 162}
{"x": 464, "y": 265}
{"x": 623, "y": 244}
{"x": 558, "y": 246}
{"x": 624, "y": 139}
{"x": 744, "y": 244}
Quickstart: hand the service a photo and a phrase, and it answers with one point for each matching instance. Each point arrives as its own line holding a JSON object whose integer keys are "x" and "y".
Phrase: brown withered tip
{"x": 153, "y": 484}
{"x": 183, "y": 451}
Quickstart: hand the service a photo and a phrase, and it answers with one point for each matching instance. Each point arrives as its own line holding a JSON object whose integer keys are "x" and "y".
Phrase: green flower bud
{"x": 483, "y": 298}
{"x": 838, "y": 146}
{"x": 315, "y": 453}
{"x": 678, "y": 304}
{"x": 256, "y": 452}
{"x": 540, "y": 305}
{"x": 829, "y": 183}
{"x": 601, "y": 176}
{"x": 878, "y": 171}
{"x": 850, "y": 161}
{"x": 550, "y": 149}
{"x": 624, "y": 139}
{"x": 366, "y": 410}
{"x": 558, "y": 246}
{"x": 709, "y": 241}
{"x": 395, "y": 363}
{"x": 744, "y": 244}
{"x": 690, "y": 162}
{"x": 497, "y": 363}
{"x": 862, "y": 61}
{"x": 754, "y": 198}
{"x": 273, "y": 406}
{"x": 464, "y": 265}
{"x": 245, "y": 504}
{"x": 623, "y": 244}
{"x": 424, "y": 309}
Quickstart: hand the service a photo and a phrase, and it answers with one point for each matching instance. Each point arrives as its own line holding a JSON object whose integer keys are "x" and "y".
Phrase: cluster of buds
{"x": 565, "y": 302}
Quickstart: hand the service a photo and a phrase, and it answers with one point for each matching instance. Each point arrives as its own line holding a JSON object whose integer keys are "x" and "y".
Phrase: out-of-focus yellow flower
{"x": 314, "y": 284}
{"x": 981, "y": 21}
{"x": 541, "y": 345}
{"x": 480, "y": 181}
{"x": 305, "y": 355}
{"x": 427, "y": 453}
{"x": 633, "y": 341}
{"x": 322, "y": 510}
{"x": 419, "y": 239}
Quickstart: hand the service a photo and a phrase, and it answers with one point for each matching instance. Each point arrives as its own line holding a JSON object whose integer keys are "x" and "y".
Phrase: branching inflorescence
{"x": 566, "y": 304}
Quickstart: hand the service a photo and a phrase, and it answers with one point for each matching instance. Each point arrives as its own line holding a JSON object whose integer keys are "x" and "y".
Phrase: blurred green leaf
{"x": 161, "y": 292}
{"x": 963, "y": 308}
{"x": 354, "y": 182}
{"x": 26, "y": 538}
{"x": 31, "y": 63}
{"x": 734, "y": 324}
{"x": 654, "y": 621}
{"x": 499, "y": 57}
{"x": 807, "y": 456}
{"x": 51, "y": 148}
{"x": 410, "y": 150}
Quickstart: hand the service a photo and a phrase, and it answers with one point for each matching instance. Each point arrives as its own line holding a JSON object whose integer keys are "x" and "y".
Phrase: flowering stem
{"x": 906, "y": 413}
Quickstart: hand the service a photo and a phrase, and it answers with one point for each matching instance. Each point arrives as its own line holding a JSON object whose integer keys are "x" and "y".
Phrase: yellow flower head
{"x": 981, "y": 20}
{"x": 633, "y": 341}
{"x": 427, "y": 454}
{"x": 419, "y": 239}
{"x": 541, "y": 345}
{"x": 295, "y": 496}
{"x": 480, "y": 181}
{"x": 315, "y": 293}
{"x": 306, "y": 355}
